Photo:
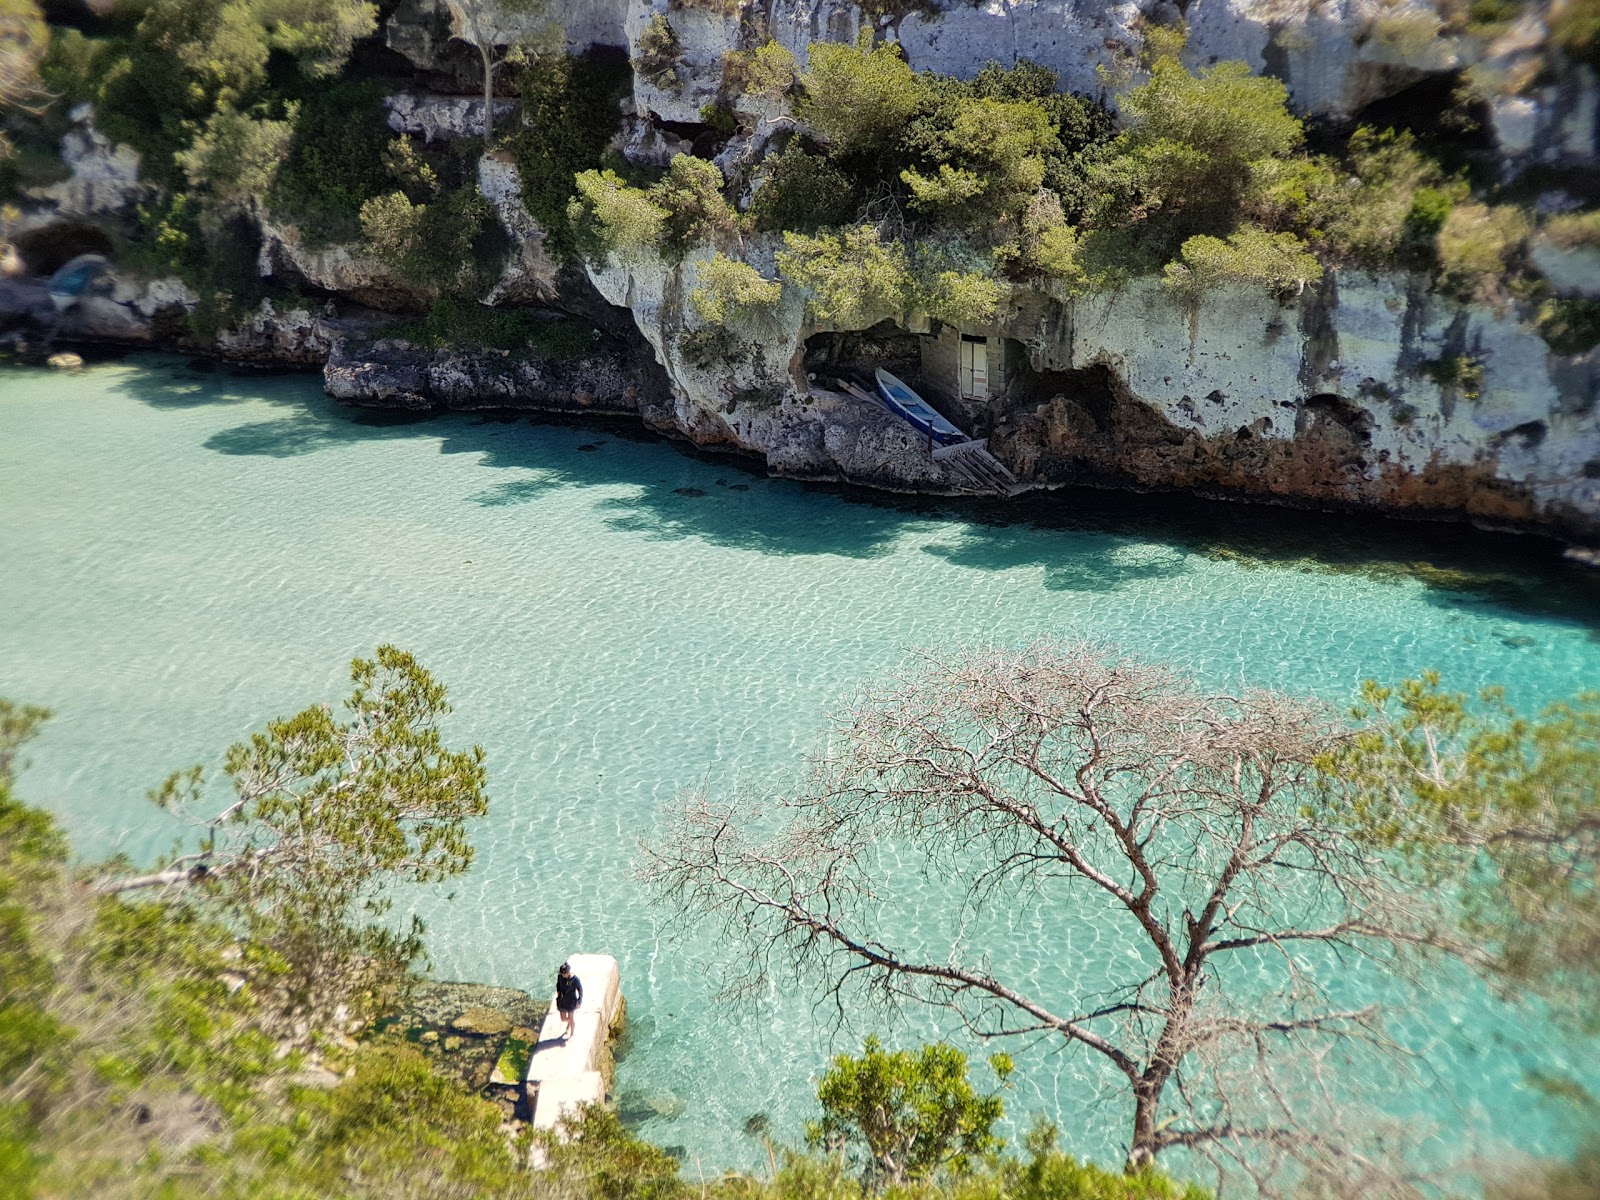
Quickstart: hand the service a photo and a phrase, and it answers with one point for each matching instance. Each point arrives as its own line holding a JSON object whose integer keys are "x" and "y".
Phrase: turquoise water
{"x": 184, "y": 555}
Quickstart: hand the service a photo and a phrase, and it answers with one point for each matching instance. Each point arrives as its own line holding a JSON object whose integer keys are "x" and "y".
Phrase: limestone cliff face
{"x": 1333, "y": 399}
{"x": 742, "y": 387}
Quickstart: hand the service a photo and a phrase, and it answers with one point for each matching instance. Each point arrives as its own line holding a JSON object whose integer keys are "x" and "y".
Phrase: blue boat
{"x": 918, "y": 411}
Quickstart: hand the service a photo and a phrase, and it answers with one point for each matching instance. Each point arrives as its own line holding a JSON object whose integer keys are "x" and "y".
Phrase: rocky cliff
{"x": 1349, "y": 394}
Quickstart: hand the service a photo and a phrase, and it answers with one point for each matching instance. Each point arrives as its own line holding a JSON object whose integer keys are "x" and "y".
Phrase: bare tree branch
{"x": 1017, "y": 777}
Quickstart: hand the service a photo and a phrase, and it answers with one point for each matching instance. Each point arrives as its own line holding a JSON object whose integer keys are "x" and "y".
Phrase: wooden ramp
{"x": 968, "y": 464}
{"x": 973, "y": 463}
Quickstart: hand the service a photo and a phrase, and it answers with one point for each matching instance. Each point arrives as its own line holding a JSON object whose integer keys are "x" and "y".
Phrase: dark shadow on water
{"x": 1099, "y": 563}
{"x": 1081, "y": 539}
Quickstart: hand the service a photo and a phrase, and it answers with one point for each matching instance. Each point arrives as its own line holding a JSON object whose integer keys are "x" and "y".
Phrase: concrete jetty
{"x": 565, "y": 1074}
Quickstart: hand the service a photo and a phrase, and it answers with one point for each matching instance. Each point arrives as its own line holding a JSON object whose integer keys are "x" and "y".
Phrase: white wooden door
{"x": 974, "y": 367}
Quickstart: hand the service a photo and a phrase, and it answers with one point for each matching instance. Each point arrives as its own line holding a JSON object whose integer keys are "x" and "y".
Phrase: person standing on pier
{"x": 569, "y": 994}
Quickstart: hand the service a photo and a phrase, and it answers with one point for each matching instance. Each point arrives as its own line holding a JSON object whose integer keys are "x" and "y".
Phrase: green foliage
{"x": 1183, "y": 165}
{"x": 857, "y": 99}
{"x": 1503, "y": 807}
{"x": 1476, "y": 243}
{"x": 395, "y": 1126}
{"x": 431, "y": 243}
{"x": 18, "y": 724}
{"x": 24, "y": 37}
{"x": 1573, "y": 231}
{"x": 455, "y": 322}
{"x": 768, "y": 72}
{"x": 1461, "y": 372}
{"x": 907, "y": 1116}
{"x": 802, "y": 192}
{"x": 609, "y": 217}
{"x": 659, "y": 53}
{"x": 1570, "y": 326}
{"x": 1575, "y": 27}
{"x": 691, "y": 195}
{"x": 1278, "y": 262}
{"x": 329, "y": 816}
{"x": 1402, "y": 200}
{"x": 854, "y": 276}
{"x": 728, "y": 290}
{"x": 957, "y": 288}
{"x": 335, "y": 161}
{"x": 594, "y": 1156}
{"x": 235, "y": 157}
{"x": 685, "y": 208}
{"x": 569, "y": 112}
{"x": 317, "y": 34}
{"x": 990, "y": 162}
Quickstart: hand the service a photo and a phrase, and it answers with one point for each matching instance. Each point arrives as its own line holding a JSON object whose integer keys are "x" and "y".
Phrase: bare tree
{"x": 488, "y": 25}
{"x": 1057, "y": 775}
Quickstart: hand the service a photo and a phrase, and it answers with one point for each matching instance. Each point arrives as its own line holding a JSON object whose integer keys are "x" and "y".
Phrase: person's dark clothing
{"x": 569, "y": 992}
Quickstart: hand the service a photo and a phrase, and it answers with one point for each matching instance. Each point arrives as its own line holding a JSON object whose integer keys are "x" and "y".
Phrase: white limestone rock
{"x": 343, "y": 269}
{"x": 1334, "y": 55}
{"x": 1073, "y": 37}
{"x": 1574, "y": 272}
{"x": 433, "y": 117}
{"x": 529, "y": 273}
{"x": 105, "y": 177}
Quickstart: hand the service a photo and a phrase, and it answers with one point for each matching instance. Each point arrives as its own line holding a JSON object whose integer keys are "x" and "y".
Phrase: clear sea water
{"x": 184, "y": 554}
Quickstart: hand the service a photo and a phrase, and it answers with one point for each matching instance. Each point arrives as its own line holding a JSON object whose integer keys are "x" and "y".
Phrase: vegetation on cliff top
{"x": 938, "y": 194}
{"x": 968, "y": 188}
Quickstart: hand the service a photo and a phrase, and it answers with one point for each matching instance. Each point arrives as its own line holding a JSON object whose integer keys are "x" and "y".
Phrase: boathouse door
{"x": 974, "y": 370}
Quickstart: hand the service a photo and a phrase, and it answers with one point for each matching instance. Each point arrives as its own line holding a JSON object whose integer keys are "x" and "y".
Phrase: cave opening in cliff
{"x": 1090, "y": 390}
{"x": 1449, "y": 123}
{"x": 45, "y": 250}
{"x": 855, "y": 354}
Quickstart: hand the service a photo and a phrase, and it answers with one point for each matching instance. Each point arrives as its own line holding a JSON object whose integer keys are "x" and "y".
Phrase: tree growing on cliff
{"x": 328, "y": 815}
{"x": 23, "y": 39}
{"x": 503, "y": 32}
{"x": 1073, "y": 780}
{"x": 1501, "y": 808}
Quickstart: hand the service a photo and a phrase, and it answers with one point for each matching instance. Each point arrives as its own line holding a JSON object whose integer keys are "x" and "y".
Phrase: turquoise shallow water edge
{"x": 184, "y": 554}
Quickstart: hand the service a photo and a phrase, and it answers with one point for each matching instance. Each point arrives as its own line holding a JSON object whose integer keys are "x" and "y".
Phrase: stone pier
{"x": 565, "y": 1074}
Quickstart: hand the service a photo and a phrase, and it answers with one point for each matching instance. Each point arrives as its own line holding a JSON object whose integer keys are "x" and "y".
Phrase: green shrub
{"x": 1573, "y": 231}
{"x": 729, "y": 290}
{"x": 691, "y": 195}
{"x": 1476, "y": 243}
{"x": 767, "y": 72}
{"x": 990, "y": 162}
{"x": 335, "y": 161}
{"x": 857, "y": 99}
{"x": 907, "y": 1116}
{"x": 612, "y": 218}
{"x": 1576, "y": 29}
{"x": 432, "y": 243}
{"x": 1183, "y": 165}
{"x": 1461, "y": 372}
{"x": 659, "y": 54}
{"x": 1570, "y": 326}
{"x": 569, "y": 113}
{"x": 854, "y": 276}
{"x": 235, "y": 158}
{"x": 1378, "y": 224}
{"x": 802, "y": 192}
{"x": 1277, "y": 261}
{"x": 1487, "y": 17}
